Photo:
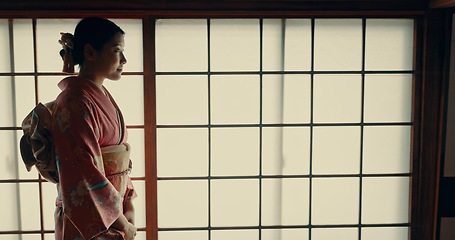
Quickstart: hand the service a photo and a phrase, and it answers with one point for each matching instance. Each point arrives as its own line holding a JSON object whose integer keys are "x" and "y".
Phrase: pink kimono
{"x": 85, "y": 119}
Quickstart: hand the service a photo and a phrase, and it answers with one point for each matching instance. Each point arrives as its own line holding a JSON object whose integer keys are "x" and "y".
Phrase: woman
{"x": 95, "y": 191}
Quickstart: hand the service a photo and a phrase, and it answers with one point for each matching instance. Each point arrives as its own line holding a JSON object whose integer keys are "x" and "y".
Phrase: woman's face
{"x": 110, "y": 59}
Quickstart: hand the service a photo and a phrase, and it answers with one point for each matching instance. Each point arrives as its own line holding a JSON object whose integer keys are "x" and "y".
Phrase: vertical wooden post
{"x": 148, "y": 25}
{"x": 426, "y": 171}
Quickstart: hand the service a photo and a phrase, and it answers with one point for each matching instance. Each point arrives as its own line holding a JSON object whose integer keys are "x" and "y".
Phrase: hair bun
{"x": 66, "y": 40}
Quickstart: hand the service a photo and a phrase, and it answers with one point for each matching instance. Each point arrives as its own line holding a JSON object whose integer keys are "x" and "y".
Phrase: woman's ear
{"x": 89, "y": 52}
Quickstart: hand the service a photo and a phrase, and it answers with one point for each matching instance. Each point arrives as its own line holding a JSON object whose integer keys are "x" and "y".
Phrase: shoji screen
{"x": 284, "y": 128}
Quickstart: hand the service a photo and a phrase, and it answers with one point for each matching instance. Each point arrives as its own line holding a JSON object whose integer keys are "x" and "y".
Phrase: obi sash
{"x": 117, "y": 165}
{"x": 36, "y": 145}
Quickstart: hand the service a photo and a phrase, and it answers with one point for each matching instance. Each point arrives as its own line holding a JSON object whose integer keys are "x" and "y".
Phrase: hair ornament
{"x": 66, "y": 40}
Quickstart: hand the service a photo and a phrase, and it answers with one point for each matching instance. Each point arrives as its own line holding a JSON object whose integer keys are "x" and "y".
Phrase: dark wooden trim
{"x": 25, "y": 232}
{"x": 10, "y": 128}
{"x": 416, "y": 131}
{"x": 428, "y": 170}
{"x": 446, "y": 194}
{"x": 209, "y": 14}
{"x": 151, "y": 204}
{"x": 35, "y": 180}
{"x": 214, "y": 5}
{"x": 442, "y": 3}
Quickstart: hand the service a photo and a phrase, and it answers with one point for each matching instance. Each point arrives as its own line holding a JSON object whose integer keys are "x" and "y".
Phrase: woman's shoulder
{"x": 72, "y": 96}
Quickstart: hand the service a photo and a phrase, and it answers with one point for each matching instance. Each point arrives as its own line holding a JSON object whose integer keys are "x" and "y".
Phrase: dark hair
{"x": 95, "y": 31}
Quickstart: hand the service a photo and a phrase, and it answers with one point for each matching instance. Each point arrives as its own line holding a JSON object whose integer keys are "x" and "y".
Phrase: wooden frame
{"x": 150, "y": 127}
{"x": 434, "y": 41}
{"x": 442, "y": 3}
{"x": 216, "y": 5}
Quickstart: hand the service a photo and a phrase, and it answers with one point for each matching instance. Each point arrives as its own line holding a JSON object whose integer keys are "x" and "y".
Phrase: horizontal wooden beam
{"x": 214, "y": 5}
{"x": 442, "y": 3}
{"x": 207, "y": 14}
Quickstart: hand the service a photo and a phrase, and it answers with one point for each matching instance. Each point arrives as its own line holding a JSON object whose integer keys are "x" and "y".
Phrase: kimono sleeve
{"x": 90, "y": 201}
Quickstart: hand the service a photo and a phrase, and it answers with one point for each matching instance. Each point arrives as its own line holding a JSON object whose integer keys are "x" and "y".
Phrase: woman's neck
{"x": 86, "y": 72}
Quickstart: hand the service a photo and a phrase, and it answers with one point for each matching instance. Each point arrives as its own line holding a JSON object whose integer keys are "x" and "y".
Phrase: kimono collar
{"x": 80, "y": 83}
